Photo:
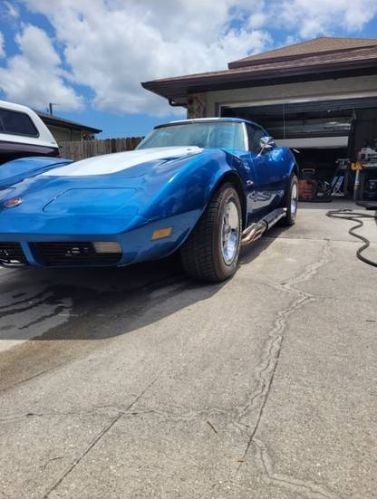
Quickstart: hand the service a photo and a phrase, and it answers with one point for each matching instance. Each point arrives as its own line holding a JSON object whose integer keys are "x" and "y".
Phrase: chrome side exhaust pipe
{"x": 252, "y": 233}
{"x": 256, "y": 230}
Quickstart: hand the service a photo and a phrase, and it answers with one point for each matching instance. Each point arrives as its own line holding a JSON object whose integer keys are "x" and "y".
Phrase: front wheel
{"x": 212, "y": 250}
{"x": 290, "y": 202}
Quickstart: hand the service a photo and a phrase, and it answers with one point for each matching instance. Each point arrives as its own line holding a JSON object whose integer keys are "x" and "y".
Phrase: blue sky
{"x": 89, "y": 56}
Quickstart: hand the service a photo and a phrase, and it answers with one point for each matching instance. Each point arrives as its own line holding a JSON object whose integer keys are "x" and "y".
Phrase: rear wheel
{"x": 212, "y": 250}
{"x": 290, "y": 202}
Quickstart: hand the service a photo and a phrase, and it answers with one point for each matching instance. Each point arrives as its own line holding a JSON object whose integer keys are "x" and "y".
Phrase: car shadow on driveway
{"x": 35, "y": 299}
{"x": 251, "y": 252}
{"x": 72, "y": 311}
{"x": 81, "y": 304}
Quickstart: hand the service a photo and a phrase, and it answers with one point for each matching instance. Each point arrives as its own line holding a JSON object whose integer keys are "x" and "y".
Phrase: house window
{"x": 16, "y": 123}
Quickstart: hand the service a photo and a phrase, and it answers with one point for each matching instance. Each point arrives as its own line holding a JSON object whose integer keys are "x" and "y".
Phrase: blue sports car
{"x": 202, "y": 187}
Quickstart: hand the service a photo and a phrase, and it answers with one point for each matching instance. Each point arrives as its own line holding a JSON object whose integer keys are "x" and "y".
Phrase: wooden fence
{"x": 87, "y": 148}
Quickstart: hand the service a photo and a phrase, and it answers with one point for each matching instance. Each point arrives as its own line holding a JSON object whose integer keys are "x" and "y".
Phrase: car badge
{"x": 11, "y": 203}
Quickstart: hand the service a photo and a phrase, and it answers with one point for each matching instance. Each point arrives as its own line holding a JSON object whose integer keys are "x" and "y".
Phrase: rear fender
{"x": 290, "y": 169}
{"x": 293, "y": 166}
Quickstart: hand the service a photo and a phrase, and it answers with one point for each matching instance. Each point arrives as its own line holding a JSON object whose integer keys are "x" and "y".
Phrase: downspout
{"x": 173, "y": 103}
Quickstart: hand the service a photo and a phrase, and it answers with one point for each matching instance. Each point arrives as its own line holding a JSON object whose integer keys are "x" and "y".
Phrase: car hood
{"x": 122, "y": 186}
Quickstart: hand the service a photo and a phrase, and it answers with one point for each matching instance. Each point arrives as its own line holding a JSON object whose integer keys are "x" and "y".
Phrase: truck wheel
{"x": 211, "y": 252}
{"x": 290, "y": 202}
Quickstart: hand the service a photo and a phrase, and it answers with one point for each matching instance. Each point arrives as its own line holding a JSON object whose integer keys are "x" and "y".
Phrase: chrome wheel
{"x": 212, "y": 249}
{"x": 230, "y": 232}
{"x": 294, "y": 199}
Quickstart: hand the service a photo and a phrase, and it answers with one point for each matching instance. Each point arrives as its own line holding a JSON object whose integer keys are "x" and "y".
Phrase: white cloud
{"x": 2, "y": 50}
{"x": 313, "y": 18}
{"x": 110, "y": 46}
{"x": 258, "y": 20}
{"x": 113, "y": 45}
{"x": 34, "y": 77}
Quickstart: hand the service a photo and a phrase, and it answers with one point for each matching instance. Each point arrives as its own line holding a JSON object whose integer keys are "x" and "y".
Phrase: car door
{"x": 269, "y": 165}
{"x": 261, "y": 195}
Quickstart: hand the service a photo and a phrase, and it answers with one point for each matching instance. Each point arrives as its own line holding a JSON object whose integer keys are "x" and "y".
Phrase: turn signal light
{"x": 11, "y": 203}
{"x": 161, "y": 233}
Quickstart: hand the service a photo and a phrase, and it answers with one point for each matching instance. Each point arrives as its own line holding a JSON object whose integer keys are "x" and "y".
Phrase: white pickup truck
{"x": 23, "y": 133}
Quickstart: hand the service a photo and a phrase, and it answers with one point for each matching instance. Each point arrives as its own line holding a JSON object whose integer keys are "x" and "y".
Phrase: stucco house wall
{"x": 208, "y": 104}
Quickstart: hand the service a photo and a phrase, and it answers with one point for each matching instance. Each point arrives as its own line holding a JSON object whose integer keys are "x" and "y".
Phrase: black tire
{"x": 202, "y": 254}
{"x": 290, "y": 217}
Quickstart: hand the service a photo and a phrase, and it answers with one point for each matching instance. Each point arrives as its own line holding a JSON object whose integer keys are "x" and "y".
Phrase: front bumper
{"x": 61, "y": 250}
{"x": 55, "y": 254}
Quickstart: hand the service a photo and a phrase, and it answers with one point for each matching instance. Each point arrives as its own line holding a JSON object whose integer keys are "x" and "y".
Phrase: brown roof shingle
{"x": 311, "y": 47}
{"x": 330, "y": 62}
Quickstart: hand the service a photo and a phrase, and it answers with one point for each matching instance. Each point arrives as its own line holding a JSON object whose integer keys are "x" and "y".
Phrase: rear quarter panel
{"x": 281, "y": 165}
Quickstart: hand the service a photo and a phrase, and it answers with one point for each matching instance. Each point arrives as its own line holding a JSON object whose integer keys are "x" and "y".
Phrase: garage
{"x": 326, "y": 136}
{"x": 318, "y": 98}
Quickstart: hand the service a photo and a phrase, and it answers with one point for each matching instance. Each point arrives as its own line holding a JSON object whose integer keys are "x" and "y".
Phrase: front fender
{"x": 190, "y": 190}
{"x": 191, "y": 187}
{"x": 18, "y": 170}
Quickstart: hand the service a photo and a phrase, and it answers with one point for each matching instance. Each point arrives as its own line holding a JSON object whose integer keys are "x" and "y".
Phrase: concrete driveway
{"x": 145, "y": 384}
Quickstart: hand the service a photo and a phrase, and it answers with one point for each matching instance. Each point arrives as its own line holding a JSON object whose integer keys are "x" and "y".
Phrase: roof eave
{"x": 60, "y": 122}
{"x": 178, "y": 89}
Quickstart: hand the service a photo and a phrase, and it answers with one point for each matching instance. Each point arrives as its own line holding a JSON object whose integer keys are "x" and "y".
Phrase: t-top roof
{"x": 204, "y": 120}
{"x": 311, "y": 47}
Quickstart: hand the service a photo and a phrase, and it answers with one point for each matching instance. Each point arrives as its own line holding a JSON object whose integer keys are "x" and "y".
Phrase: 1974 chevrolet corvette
{"x": 201, "y": 187}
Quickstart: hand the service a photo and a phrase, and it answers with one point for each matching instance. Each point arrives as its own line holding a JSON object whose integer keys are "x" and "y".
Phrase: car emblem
{"x": 11, "y": 203}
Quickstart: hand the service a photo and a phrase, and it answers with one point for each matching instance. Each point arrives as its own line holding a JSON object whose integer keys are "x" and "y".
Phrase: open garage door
{"x": 326, "y": 133}
{"x": 305, "y": 124}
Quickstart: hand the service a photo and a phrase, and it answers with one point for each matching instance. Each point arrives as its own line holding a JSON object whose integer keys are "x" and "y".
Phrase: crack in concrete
{"x": 266, "y": 369}
{"x": 30, "y": 378}
{"x": 306, "y": 487}
{"x": 273, "y": 346}
{"x": 86, "y": 451}
{"x": 184, "y": 415}
{"x": 95, "y": 441}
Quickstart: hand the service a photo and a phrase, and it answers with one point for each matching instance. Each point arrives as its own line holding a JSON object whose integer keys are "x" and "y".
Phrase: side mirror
{"x": 266, "y": 144}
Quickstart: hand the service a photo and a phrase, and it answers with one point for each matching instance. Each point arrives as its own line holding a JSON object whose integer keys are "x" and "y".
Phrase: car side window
{"x": 254, "y": 134}
{"x": 17, "y": 123}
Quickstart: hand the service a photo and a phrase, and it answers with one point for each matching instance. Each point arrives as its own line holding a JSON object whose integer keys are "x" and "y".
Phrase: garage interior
{"x": 328, "y": 137}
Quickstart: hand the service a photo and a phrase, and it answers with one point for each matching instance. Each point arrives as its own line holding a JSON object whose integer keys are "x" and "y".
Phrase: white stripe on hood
{"x": 113, "y": 163}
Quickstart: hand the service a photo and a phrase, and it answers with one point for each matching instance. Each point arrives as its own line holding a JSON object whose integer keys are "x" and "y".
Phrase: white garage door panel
{"x": 315, "y": 142}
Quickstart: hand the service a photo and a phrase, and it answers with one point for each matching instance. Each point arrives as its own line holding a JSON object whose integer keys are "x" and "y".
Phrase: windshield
{"x": 211, "y": 134}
